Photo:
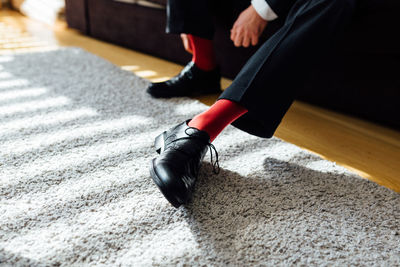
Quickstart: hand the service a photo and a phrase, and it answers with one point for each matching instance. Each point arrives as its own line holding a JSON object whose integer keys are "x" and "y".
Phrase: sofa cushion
{"x": 135, "y": 26}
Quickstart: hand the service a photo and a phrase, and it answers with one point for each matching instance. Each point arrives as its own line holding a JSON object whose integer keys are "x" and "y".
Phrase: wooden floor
{"x": 368, "y": 149}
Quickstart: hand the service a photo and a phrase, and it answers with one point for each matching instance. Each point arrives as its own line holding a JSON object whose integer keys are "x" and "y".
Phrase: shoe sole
{"x": 163, "y": 187}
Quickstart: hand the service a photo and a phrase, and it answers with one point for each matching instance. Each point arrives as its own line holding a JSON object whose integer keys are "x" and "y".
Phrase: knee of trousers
{"x": 326, "y": 8}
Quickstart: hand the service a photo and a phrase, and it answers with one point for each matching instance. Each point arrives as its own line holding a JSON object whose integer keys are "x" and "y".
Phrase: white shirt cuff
{"x": 263, "y": 9}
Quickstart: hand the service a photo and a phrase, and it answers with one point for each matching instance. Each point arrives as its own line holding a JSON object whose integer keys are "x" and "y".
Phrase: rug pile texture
{"x": 76, "y": 135}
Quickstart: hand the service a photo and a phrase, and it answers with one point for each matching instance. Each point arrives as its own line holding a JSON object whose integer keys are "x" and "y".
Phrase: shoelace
{"x": 215, "y": 164}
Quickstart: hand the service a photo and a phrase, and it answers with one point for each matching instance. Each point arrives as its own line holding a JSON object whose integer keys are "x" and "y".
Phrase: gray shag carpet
{"x": 76, "y": 136}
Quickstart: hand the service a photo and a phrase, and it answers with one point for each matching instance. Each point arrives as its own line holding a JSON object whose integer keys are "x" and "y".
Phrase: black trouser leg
{"x": 197, "y": 16}
{"x": 190, "y": 16}
{"x": 267, "y": 84}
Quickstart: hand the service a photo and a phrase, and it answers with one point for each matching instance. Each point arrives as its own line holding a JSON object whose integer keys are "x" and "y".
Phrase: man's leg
{"x": 203, "y": 53}
{"x": 201, "y": 75}
{"x": 268, "y": 83}
{"x": 217, "y": 117}
{"x": 191, "y": 16}
{"x": 265, "y": 87}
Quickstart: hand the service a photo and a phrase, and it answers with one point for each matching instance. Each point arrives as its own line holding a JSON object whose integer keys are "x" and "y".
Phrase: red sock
{"x": 217, "y": 117}
{"x": 203, "y": 53}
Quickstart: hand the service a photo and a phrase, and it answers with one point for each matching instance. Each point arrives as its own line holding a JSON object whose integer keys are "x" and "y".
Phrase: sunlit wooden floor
{"x": 368, "y": 149}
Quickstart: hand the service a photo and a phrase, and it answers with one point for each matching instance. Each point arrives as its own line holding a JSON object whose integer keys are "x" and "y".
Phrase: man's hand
{"x": 186, "y": 43}
{"x": 247, "y": 28}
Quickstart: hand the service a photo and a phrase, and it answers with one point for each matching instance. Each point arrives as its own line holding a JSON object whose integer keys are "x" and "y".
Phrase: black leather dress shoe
{"x": 181, "y": 148}
{"x": 191, "y": 81}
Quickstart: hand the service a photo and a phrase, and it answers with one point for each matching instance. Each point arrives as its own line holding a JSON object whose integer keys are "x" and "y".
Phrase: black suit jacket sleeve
{"x": 281, "y": 7}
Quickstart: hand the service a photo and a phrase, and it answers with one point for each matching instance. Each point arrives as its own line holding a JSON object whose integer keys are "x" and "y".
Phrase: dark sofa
{"x": 363, "y": 79}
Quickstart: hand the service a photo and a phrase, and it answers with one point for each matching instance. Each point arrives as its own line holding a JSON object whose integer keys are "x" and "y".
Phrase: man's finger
{"x": 238, "y": 40}
{"x": 233, "y": 35}
{"x": 254, "y": 39}
{"x": 246, "y": 40}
